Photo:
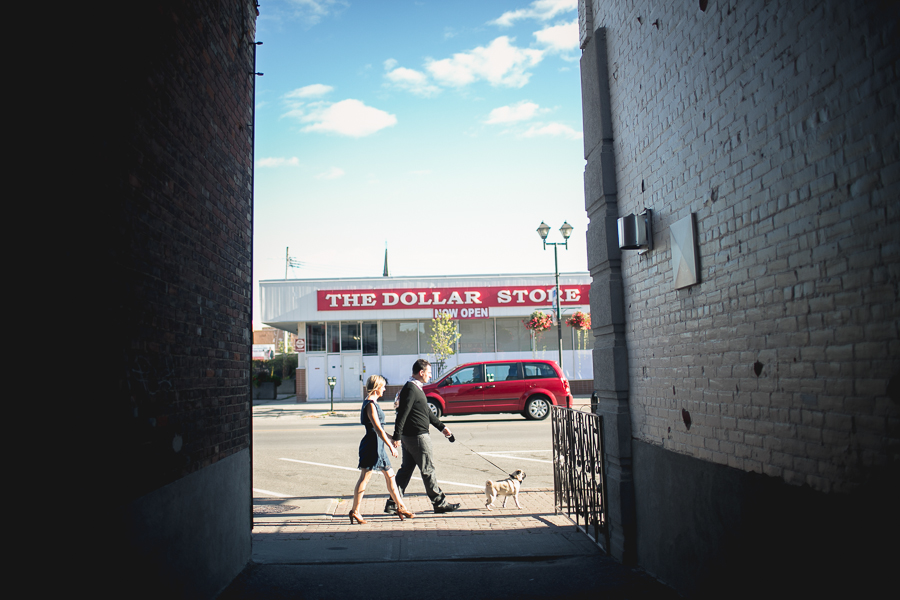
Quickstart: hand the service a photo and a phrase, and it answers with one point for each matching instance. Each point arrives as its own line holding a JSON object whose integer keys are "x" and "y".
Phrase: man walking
{"x": 411, "y": 427}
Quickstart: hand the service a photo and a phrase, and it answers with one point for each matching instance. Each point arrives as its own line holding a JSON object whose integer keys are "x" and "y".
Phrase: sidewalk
{"x": 306, "y": 548}
{"x": 304, "y": 531}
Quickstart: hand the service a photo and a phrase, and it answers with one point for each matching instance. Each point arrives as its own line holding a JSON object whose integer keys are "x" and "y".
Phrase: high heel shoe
{"x": 402, "y": 512}
{"x": 355, "y": 515}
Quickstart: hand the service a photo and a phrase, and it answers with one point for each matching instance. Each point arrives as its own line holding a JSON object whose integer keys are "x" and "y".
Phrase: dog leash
{"x": 452, "y": 438}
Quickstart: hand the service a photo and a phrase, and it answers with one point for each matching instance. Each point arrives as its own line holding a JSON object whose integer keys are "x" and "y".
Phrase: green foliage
{"x": 283, "y": 366}
{"x": 444, "y": 335}
{"x": 264, "y": 377}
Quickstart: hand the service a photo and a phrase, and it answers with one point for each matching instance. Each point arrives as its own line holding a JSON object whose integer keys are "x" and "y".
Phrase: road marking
{"x": 275, "y": 494}
{"x": 477, "y": 487}
{"x": 520, "y": 451}
{"x": 502, "y": 455}
{"x": 306, "y": 462}
{"x": 267, "y": 430}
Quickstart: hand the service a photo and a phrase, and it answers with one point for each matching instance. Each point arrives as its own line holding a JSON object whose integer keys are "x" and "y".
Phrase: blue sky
{"x": 448, "y": 129}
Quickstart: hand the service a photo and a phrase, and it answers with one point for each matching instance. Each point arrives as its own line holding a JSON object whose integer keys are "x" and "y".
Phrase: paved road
{"x": 297, "y": 451}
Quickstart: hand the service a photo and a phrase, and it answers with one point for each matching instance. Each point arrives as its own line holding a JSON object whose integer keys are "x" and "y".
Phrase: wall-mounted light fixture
{"x": 636, "y": 231}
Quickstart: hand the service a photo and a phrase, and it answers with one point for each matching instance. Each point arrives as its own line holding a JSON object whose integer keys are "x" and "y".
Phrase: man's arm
{"x": 435, "y": 422}
{"x": 402, "y": 411}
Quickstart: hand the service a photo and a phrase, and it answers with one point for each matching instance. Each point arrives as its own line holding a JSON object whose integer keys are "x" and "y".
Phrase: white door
{"x": 352, "y": 377}
{"x": 334, "y": 370}
{"x": 315, "y": 378}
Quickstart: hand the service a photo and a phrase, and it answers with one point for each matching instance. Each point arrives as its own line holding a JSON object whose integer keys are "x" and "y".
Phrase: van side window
{"x": 502, "y": 372}
{"x": 468, "y": 375}
{"x": 538, "y": 371}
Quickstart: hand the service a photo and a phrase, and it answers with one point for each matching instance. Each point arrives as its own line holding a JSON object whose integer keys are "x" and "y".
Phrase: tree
{"x": 444, "y": 335}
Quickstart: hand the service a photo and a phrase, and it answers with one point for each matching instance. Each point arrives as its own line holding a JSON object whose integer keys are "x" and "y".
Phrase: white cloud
{"x": 542, "y": 10}
{"x": 347, "y": 117}
{"x": 313, "y": 11}
{"x": 332, "y": 173}
{"x": 409, "y": 80}
{"x": 553, "y": 129}
{"x": 521, "y": 111}
{"x": 278, "y": 162}
{"x": 310, "y": 91}
{"x": 500, "y": 63}
{"x": 561, "y": 38}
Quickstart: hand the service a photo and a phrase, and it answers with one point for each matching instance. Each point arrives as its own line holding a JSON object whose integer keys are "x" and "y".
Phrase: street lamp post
{"x": 566, "y": 231}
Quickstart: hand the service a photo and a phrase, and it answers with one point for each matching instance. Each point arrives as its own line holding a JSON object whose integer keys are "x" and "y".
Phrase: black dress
{"x": 373, "y": 453}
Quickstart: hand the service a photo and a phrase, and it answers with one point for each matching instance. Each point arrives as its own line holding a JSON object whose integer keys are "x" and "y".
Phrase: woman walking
{"x": 373, "y": 451}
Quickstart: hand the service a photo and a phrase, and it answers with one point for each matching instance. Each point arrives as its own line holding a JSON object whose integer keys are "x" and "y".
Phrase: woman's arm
{"x": 379, "y": 430}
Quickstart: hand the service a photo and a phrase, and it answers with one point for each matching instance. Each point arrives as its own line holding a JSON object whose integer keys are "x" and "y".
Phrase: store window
{"x": 315, "y": 337}
{"x": 512, "y": 336}
{"x": 401, "y": 337}
{"x": 549, "y": 340}
{"x": 351, "y": 338}
{"x": 584, "y": 339}
{"x": 333, "y": 338}
{"x": 370, "y": 339}
{"x": 476, "y": 335}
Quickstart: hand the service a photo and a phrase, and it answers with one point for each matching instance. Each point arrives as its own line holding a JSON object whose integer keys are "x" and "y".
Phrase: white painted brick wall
{"x": 777, "y": 123}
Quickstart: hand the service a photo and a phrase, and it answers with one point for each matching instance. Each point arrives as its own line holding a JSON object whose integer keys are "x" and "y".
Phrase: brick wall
{"x": 270, "y": 335}
{"x": 776, "y": 124}
{"x": 176, "y": 166}
{"x": 300, "y": 382}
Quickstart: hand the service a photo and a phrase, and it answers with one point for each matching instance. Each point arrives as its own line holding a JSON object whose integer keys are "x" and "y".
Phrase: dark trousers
{"x": 418, "y": 452}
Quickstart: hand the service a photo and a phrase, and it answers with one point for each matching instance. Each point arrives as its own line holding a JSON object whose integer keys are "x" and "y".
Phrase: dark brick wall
{"x": 175, "y": 166}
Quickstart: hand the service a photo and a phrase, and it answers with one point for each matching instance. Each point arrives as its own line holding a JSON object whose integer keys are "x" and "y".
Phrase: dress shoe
{"x": 445, "y": 508}
{"x": 390, "y": 507}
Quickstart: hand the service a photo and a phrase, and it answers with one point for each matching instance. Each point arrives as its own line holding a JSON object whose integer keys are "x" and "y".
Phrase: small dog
{"x": 506, "y": 488}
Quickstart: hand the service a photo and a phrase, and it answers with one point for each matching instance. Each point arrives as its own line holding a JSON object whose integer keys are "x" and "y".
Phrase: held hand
{"x": 395, "y": 443}
{"x": 393, "y": 451}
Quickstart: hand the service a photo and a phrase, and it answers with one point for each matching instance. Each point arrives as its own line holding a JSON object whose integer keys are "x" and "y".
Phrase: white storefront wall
{"x": 293, "y": 304}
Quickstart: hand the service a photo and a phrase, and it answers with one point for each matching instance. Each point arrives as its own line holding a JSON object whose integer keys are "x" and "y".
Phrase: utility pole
{"x": 290, "y": 262}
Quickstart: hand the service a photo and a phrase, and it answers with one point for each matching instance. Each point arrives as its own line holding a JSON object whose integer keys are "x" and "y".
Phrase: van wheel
{"x": 537, "y": 408}
{"x": 435, "y": 409}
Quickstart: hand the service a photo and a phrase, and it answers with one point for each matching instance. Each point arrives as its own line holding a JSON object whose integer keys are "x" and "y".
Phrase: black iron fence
{"x": 579, "y": 481}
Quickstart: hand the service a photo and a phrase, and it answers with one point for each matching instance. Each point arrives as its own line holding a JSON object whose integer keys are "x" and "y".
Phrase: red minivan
{"x": 528, "y": 387}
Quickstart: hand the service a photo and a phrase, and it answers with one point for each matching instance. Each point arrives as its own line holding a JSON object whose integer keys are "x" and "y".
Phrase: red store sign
{"x": 449, "y": 298}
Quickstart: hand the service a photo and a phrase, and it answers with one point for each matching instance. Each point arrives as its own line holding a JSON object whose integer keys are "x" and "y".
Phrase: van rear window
{"x": 538, "y": 371}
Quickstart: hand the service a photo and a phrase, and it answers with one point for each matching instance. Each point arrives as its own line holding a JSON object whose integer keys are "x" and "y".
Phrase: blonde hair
{"x": 373, "y": 382}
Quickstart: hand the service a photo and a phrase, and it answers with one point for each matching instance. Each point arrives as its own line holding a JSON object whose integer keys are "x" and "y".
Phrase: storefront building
{"x": 352, "y": 328}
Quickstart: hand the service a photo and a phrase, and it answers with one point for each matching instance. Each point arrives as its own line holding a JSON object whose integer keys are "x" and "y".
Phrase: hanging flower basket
{"x": 579, "y": 320}
{"x": 538, "y": 322}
